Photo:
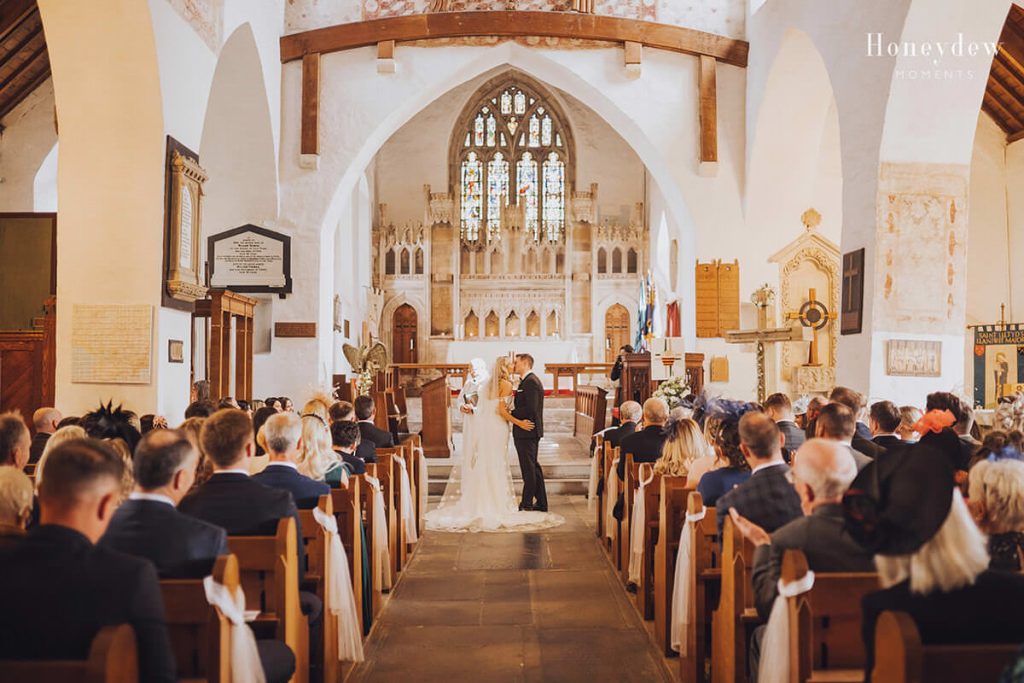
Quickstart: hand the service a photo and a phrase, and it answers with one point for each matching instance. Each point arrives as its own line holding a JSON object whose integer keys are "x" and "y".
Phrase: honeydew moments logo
{"x": 937, "y": 58}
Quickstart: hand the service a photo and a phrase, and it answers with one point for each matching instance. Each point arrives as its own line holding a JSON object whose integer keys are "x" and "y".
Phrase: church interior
{"x": 739, "y": 278}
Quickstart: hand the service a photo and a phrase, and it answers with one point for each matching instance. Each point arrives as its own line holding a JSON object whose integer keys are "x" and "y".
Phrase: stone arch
{"x": 616, "y": 260}
{"x": 602, "y": 260}
{"x": 237, "y": 145}
{"x": 471, "y": 325}
{"x": 403, "y": 262}
{"x": 389, "y": 261}
{"x": 632, "y": 265}
{"x": 387, "y": 316}
{"x": 419, "y": 261}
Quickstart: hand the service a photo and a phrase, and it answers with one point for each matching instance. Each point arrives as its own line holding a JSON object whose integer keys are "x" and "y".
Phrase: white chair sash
{"x": 405, "y": 493}
{"x": 611, "y": 496}
{"x": 636, "y": 527}
{"x": 773, "y": 667}
{"x": 423, "y": 483}
{"x": 681, "y": 597}
{"x": 595, "y": 477}
{"x": 381, "y": 551}
{"x": 246, "y": 666}
{"x": 342, "y": 601}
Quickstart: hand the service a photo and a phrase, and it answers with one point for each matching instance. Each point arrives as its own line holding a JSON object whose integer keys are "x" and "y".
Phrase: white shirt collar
{"x": 283, "y": 463}
{"x": 234, "y": 471}
{"x": 155, "y": 497}
{"x": 766, "y": 466}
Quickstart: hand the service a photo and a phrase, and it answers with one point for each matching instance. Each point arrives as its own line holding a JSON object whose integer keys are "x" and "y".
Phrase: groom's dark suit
{"x": 529, "y": 405}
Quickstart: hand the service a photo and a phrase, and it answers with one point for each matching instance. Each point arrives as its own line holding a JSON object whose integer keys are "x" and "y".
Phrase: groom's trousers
{"x": 534, "y": 491}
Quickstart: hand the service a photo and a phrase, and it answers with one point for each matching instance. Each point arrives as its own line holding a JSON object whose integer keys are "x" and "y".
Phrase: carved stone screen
{"x": 111, "y": 344}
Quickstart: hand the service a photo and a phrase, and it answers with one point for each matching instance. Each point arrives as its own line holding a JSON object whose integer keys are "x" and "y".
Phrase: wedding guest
{"x": 286, "y": 405}
{"x": 259, "y": 418}
{"x": 283, "y": 435}
{"x": 944, "y": 400}
{"x": 630, "y": 413}
{"x": 780, "y": 408}
{"x": 44, "y": 421}
{"x": 814, "y": 406}
{"x": 148, "y": 524}
{"x": 343, "y": 411}
{"x": 836, "y": 423}
{"x": 684, "y": 453}
{"x": 59, "y": 570}
{"x": 884, "y": 419}
{"x": 245, "y": 407}
{"x": 16, "y": 500}
{"x": 767, "y": 497}
{"x": 366, "y": 410}
{"x": 150, "y": 422}
{"x": 645, "y": 444}
{"x": 200, "y": 408}
{"x": 997, "y": 503}
{"x": 931, "y": 557}
{"x": 345, "y": 437}
{"x": 909, "y": 415}
{"x": 616, "y": 375}
{"x": 273, "y": 402}
{"x": 227, "y": 402}
{"x": 67, "y": 433}
{"x": 15, "y": 441}
{"x": 731, "y": 468}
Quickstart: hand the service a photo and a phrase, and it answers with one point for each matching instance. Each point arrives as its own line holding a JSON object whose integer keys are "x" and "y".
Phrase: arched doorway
{"x": 616, "y": 331}
{"x": 403, "y": 335}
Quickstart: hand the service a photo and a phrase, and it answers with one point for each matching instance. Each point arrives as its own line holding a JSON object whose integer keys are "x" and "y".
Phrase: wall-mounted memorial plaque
{"x": 251, "y": 259}
{"x": 111, "y": 344}
{"x": 913, "y": 358}
{"x": 183, "y": 225}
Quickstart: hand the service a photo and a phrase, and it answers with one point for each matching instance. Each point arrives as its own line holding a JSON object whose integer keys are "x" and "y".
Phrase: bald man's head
{"x": 760, "y": 438}
{"x": 45, "y": 420}
{"x": 823, "y": 471}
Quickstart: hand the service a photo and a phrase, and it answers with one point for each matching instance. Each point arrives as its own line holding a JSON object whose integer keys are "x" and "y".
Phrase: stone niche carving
{"x": 809, "y": 262}
{"x": 440, "y": 207}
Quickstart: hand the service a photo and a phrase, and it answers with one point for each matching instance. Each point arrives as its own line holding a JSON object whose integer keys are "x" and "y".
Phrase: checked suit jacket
{"x": 767, "y": 499}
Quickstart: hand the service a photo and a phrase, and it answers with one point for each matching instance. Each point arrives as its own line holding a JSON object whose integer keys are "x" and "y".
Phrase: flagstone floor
{"x": 541, "y": 606}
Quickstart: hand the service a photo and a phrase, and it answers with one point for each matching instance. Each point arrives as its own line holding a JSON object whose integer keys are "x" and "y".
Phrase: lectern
{"x": 437, "y": 419}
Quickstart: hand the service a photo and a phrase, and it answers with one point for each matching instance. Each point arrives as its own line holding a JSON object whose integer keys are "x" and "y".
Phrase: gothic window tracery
{"x": 514, "y": 148}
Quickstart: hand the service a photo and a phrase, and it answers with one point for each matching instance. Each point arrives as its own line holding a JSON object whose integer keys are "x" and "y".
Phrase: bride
{"x": 479, "y": 495}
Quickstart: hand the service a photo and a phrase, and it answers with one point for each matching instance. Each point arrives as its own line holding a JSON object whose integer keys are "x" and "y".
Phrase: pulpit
{"x": 637, "y": 384}
{"x": 437, "y": 419}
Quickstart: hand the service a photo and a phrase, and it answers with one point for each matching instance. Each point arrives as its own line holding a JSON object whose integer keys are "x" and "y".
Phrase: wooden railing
{"x": 574, "y": 370}
{"x": 591, "y": 408}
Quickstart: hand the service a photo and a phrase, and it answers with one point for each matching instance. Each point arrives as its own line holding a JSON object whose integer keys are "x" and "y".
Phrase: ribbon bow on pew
{"x": 342, "y": 601}
{"x": 681, "y": 588}
{"x": 246, "y": 666}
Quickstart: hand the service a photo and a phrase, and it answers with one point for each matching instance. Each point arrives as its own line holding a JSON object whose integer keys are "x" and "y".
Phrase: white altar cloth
{"x": 546, "y": 351}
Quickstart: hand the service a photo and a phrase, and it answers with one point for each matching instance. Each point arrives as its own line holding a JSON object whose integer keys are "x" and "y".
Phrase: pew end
{"x": 113, "y": 658}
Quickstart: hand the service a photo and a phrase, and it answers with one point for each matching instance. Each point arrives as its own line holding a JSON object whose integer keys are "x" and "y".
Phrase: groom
{"x": 529, "y": 405}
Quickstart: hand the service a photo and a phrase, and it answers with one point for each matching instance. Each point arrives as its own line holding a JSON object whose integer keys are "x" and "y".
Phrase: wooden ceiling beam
{"x": 7, "y": 104}
{"x": 1008, "y": 121}
{"x": 21, "y": 68}
{"x": 22, "y": 44}
{"x": 708, "y": 86}
{"x": 1003, "y": 91}
{"x": 514, "y": 24}
{"x": 12, "y": 13}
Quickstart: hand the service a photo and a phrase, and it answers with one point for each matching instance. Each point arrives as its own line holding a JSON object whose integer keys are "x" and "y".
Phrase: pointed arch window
{"x": 512, "y": 146}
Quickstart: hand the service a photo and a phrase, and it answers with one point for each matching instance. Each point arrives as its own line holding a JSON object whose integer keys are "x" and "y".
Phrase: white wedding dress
{"x": 479, "y": 495}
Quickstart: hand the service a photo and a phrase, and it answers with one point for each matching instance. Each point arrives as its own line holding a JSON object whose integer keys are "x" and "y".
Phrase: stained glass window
{"x": 472, "y": 197}
{"x": 526, "y": 182}
{"x": 554, "y": 197}
{"x": 497, "y": 194}
{"x": 514, "y": 151}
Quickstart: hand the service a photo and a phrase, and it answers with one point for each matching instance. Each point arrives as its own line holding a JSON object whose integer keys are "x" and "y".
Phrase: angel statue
{"x": 366, "y": 361}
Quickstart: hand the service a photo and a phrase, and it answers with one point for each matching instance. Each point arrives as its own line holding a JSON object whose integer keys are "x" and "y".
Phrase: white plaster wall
{"x": 1015, "y": 214}
{"x": 28, "y": 136}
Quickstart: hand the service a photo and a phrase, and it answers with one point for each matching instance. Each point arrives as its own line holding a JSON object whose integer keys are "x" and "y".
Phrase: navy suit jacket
{"x": 305, "y": 491}
{"x": 243, "y": 507}
{"x": 58, "y": 590}
{"x": 645, "y": 445}
{"x": 375, "y": 435}
{"x": 179, "y": 546}
{"x": 38, "y": 444}
{"x": 367, "y": 451}
{"x": 616, "y": 435}
{"x": 767, "y": 499}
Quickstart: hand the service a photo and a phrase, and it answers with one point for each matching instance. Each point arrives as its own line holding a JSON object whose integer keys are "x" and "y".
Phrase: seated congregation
{"x": 827, "y": 541}
{"x": 243, "y": 545}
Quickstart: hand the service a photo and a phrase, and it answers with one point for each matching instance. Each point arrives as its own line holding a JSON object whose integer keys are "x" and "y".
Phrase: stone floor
{"x": 541, "y": 606}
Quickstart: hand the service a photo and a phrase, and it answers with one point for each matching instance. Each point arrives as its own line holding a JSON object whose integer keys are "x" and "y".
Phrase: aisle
{"x": 511, "y": 607}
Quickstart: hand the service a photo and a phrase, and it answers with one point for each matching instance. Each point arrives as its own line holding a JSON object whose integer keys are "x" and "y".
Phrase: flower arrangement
{"x": 673, "y": 391}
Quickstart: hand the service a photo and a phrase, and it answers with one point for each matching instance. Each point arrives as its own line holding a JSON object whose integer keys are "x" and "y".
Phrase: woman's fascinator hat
{"x": 899, "y": 501}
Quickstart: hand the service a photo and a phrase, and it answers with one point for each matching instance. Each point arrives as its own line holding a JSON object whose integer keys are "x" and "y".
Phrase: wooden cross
{"x": 761, "y": 336}
{"x": 815, "y": 315}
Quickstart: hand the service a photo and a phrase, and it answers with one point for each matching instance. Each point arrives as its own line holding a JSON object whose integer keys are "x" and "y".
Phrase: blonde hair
{"x": 317, "y": 455}
{"x": 999, "y": 487}
{"x": 951, "y": 559}
{"x": 204, "y": 469}
{"x": 501, "y": 372}
{"x": 684, "y": 444}
{"x": 319, "y": 404}
{"x": 15, "y": 496}
{"x": 63, "y": 434}
{"x": 120, "y": 447}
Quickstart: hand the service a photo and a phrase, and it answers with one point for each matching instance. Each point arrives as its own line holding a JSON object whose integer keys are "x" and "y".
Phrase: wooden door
{"x": 616, "y": 331}
{"x": 403, "y": 335}
{"x": 21, "y": 386}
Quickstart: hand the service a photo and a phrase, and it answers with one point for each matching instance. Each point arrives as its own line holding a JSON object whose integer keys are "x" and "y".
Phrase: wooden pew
{"x": 386, "y": 470}
{"x": 380, "y": 407}
{"x": 704, "y": 586}
{"x": 366, "y": 507}
{"x": 611, "y": 539}
{"x": 591, "y": 408}
{"x": 270, "y": 578}
{"x": 645, "y": 589}
{"x": 602, "y": 485}
{"x": 398, "y": 413}
{"x": 736, "y": 612}
{"x": 113, "y": 658}
{"x": 825, "y": 641}
{"x": 437, "y": 418}
{"x": 200, "y": 634}
{"x": 318, "y": 569}
{"x": 629, "y": 487}
{"x": 412, "y": 468}
{"x": 400, "y": 457}
{"x": 347, "y": 505}
{"x": 419, "y": 496}
{"x": 671, "y": 515}
{"x": 901, "y": 657}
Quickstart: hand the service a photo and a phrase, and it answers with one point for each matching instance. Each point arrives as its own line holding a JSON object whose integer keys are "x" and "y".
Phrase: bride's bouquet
{"x": 673, "y": 391}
